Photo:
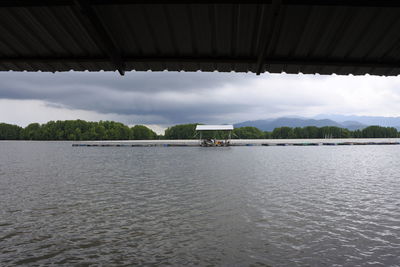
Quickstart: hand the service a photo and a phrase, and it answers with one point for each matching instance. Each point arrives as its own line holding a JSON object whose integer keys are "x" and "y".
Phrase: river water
{"x": 234, "y": 206}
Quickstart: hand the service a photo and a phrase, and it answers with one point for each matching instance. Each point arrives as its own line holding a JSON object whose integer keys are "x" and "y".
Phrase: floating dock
{"x": 242, "y": 142}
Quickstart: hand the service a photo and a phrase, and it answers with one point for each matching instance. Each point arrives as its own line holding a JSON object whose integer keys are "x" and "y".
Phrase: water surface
{"x": 260, "y": 206}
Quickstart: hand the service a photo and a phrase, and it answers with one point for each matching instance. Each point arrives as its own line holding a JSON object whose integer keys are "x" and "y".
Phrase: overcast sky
{"x": 166, "y": 98}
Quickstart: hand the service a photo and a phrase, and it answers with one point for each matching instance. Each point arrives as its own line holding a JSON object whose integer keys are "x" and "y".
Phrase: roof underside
{"x": 292, "y": 36}
{"x": 214, "y": 127}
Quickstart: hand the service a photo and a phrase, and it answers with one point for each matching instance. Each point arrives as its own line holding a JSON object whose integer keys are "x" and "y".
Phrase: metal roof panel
{"x": 325, "y": 37}
{"x": 214, "y": 127}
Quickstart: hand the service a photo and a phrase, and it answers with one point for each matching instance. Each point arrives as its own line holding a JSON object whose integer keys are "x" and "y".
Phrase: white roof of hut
{"x": 224, "y": 127}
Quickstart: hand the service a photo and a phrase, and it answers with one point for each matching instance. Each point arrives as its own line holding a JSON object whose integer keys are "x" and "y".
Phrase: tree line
{"x": 187, "y": 131}
{"x": 109, "y": 130}
{"x": 76, "y": 130}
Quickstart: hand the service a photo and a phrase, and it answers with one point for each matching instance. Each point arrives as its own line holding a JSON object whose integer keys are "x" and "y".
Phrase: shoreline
{"x": 242, "y": 142}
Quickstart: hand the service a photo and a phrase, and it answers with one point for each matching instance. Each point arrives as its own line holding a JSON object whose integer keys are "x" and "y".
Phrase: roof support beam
{"x": 345, "y": 3}
{"x": 95, "y": 26}
{"x": 128, "y": 59}
{"x": 268, "y": 33}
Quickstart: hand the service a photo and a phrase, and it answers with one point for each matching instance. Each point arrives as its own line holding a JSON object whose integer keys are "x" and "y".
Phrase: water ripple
{"x": 239, "y": 206}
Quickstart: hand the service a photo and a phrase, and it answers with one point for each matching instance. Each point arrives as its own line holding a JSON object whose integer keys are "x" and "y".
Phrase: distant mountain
{"x": 271, "y": 124}
{"x": 351, "y": 122}
{"x": 353, "y": 125}
{"x": 365, "y": 120}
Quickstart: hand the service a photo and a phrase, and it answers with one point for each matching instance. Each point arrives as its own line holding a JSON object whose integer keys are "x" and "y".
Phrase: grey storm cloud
{"x": 173, "y": 97}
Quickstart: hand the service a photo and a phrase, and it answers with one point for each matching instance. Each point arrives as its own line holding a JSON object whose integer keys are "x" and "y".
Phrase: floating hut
{"x": 214, "y": 135}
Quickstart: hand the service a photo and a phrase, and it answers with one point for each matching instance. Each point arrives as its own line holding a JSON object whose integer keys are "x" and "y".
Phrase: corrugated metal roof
{"x": 214, "y": 127}
{"x": 292, "y": 36}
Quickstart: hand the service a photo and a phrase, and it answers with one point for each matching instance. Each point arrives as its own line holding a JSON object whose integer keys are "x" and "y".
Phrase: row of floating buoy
{"x": 129, "y": 145}
{"x": 243, "y": 144}
{"x": 332, "y": 144}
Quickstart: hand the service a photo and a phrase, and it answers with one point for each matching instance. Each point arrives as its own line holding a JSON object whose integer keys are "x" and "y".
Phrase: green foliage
{"x": 32, "y": 132}
{"x": 182, "y": 131}
{"x": 248, "y": 133}
{"x": 334, "y": 132}
{"x": 379, "y": 132}
{"x": 10, "y": 132}
{"x": 283, "y": 133}
{"x": 312, "y": 132}
{"x": 140, "y": 132}
{"x": 73, "y": 130}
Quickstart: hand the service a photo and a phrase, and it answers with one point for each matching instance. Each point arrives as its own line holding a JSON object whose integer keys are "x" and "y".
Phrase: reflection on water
{"x": 280, "y": 206}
